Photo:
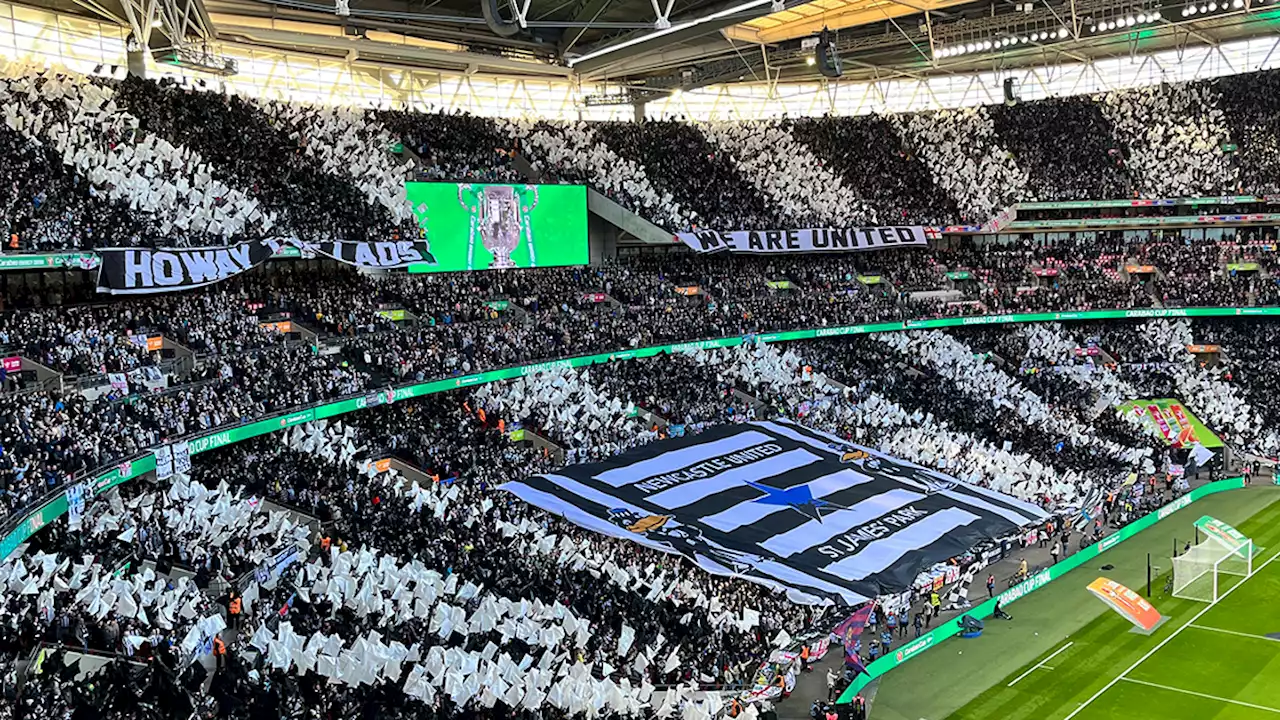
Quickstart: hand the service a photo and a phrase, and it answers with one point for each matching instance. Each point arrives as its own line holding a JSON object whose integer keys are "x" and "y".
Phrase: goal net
{"x": 1202, "y": 573}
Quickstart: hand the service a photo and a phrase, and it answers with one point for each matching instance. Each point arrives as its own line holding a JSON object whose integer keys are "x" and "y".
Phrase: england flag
{"x": 782, "y": 505}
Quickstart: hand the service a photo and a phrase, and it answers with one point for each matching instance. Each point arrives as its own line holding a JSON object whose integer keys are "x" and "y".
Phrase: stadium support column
{"x": 638, "y": 109}
{"x": 166, "y": 27}
{"x": 602, "y": 239}
{"x": 137, "y": 62}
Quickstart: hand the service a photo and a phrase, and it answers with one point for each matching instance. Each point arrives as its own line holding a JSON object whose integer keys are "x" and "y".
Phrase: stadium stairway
{"x": 46, "y": 378}
{"x": 88, "y": 662}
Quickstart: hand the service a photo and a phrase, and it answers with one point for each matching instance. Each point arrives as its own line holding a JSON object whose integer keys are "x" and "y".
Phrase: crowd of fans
{"x": 436, "y": 595}
{"x": 1023, "y": 410}
{"x": 98, "y": 162}
{"x": 244, "y": 364}
{"x": 331, "y": 632}
{"x": 481, "y": 548}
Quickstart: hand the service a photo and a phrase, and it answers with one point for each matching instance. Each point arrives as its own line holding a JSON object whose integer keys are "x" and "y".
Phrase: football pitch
{"x": 1207, "y": 661}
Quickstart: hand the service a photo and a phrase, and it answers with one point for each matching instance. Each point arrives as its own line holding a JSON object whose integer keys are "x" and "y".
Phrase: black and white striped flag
{"x": 782, "y": 505}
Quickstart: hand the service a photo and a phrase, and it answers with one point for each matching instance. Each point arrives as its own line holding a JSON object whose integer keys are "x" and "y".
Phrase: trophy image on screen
{"x": 501, "y": 214}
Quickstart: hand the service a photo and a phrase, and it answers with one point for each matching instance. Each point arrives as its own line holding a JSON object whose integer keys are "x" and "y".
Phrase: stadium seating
{"x": 133, "y": 162}
{"x": 1026, "y": 410}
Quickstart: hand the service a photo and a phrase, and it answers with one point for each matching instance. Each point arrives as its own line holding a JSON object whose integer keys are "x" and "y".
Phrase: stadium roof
{"x": 644, "y": 49}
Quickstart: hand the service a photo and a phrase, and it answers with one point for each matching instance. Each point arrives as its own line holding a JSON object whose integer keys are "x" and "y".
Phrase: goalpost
{"x": 1198, "y": 573}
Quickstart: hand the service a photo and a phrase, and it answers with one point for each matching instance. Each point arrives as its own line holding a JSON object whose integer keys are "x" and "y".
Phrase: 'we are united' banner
{"x": 857, "y": 239}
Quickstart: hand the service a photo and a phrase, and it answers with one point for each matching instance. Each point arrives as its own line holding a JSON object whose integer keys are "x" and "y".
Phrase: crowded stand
{"x": 459, "y": 525}
{"x": 100, "y": 162}
{"x": 1246, "y": 120}
{"x": 457, "y": 333}
{"x": 805, "y": 192}
{"x": 884, "y": 175}
{"x": 374, "y": 565}
{"x": 680, "y": 159}
{"x": 291, "y": 190}
{"x": 929, "y": 419}
{"x": 706, "y": 399}
{"x": 453, "y": 146}
{"x": 572, "y": 153}
{"x": 1062, "y": 170}
{"x": 489, "y": 539}
{"x": 963, "y": 153}
{"x": 1173, "y": 138}
{"x": 1162, "y": 361}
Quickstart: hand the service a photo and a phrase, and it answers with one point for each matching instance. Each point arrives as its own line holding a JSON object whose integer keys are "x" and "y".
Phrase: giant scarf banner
{"x": 784, "y": 506}
{"x": 138, "y": 271}
{"x": 807, "y": 241}
{"x": 375, "y": 254}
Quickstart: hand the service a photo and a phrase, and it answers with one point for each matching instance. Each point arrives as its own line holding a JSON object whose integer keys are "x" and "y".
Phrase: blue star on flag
{"x": 799, "y": 498}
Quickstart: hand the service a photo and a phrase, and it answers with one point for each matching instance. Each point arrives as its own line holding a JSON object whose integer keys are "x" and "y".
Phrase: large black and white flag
{"x": 808, "y": 241}
{"x": 782, "y": 505}
{"x": 137, "y": 271}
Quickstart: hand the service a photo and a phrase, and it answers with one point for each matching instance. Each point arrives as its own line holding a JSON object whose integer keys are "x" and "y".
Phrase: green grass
{"x": 1179, "y": 672}
{"x": 969, "y": 679}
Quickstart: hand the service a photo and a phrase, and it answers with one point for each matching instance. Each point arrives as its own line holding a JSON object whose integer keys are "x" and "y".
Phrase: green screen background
{"x": 559, "y": 227}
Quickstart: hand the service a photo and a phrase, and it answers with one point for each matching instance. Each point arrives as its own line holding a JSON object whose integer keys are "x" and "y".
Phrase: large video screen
{"x": 491, "y": 226}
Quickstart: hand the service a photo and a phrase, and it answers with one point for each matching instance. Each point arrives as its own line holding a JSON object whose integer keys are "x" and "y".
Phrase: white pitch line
{"x": 1041, "y": 664}
{"x": 1204, "y": 695}
{"x": 1165, "y": 641}
{"x": 1233, "y": 632}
